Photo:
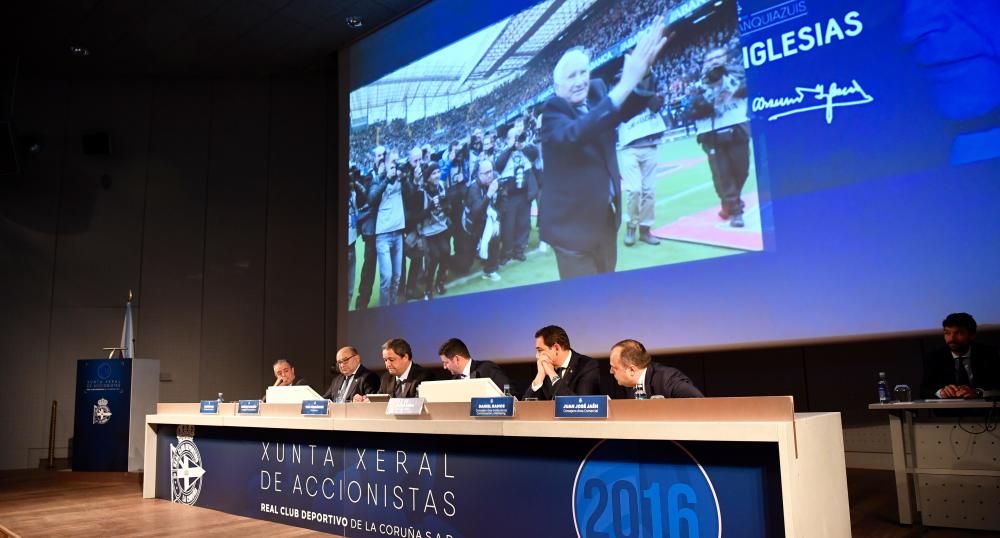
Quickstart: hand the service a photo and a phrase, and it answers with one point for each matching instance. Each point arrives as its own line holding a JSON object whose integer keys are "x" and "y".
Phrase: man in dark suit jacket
{"x": 353, "y": 378}
{"x": 457, "y": 361}
{"x": 402, "y": 376}
{"x": 962, "y": 368}
{"x": 284, "y": 376}
{"x": 634, "y": 368}
{"x": 580, "y": 206}
{"x": 560, "y": 370}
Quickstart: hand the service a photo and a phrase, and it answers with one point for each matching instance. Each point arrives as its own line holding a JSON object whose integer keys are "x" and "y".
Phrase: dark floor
{"x": 872, "y": 495}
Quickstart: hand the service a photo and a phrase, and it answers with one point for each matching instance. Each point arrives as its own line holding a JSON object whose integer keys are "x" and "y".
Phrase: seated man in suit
{"x": 560, "y": 370}
{"x": 962, "y": 368}
{"x": 634, "y": 368}
{"x": 456, "y": 360}
{"x": 284, "y": 375}
{"x": 353, "y": 378}
{"x": 402, "y": 375}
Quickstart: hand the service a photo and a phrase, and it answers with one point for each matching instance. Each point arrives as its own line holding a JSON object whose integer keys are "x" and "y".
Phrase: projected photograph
{"x": 575, "y": 138}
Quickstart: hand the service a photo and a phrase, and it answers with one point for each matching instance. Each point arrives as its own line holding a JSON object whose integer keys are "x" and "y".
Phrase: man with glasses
{"x": 353, "y": 378}
{"x": 402, "y": 376}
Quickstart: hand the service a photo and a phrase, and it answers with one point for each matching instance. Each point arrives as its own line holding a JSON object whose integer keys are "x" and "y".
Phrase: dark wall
{"x": 212, "y": 207}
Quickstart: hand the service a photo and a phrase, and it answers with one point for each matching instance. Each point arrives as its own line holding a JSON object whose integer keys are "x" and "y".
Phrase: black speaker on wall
{"x": 97, "y": 143}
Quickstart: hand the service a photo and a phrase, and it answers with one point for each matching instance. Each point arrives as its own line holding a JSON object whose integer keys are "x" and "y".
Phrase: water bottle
{"x": 883, "y": 388}
{"x": 640, "y": 393}
{"x": 506, "y": 390}
{"x": 220, "y": 398}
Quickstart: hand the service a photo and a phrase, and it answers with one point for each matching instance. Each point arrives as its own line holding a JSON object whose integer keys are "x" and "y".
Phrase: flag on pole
{"x": 128, "y": 337}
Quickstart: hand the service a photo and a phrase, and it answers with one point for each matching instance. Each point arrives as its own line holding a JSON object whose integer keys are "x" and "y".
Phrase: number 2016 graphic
{"x": 628, "y": 489}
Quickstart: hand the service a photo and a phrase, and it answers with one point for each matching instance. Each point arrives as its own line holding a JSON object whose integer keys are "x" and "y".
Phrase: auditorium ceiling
{"x": 187, "y": 37}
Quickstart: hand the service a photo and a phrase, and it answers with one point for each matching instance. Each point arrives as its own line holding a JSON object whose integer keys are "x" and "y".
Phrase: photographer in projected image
{"x": 385, "y": 197}
{"x": 356, "y": 195}
{"x": 719, "y": 108}
{"x": 366, "y": 227}
{"x": 457, "y": 190}
{"x": 482, "y": 217}
{"x": 414, "y": 246}
{"x": 517, "y": 179}
{"x": 432, "y": 226}
{"x": 580, "y": 205}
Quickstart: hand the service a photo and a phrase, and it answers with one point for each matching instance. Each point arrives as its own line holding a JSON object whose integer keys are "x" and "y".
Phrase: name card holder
{"x": 581, "y": 407}
{"x": 209, "y": 407}
{"x": 248, "y": 407}
{"x": 405, "y": 406}
{"x": 492, "y": 407}
{"x": 315, "y": 408}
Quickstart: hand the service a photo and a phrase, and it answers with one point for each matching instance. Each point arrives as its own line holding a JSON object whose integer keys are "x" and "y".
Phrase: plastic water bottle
{"x": 506, "y": 390}
{"x": 883, "y": 388}
{"x": 640, "y": 393}
{"x": 220, "y": 398}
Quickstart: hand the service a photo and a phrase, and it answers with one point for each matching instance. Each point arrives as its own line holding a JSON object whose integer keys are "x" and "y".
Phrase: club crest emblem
{"x": 102, "y": 413}
{"x": 186, "y": 469}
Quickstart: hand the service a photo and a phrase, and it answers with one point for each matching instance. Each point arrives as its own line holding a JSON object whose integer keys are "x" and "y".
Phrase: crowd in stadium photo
{"x": 452, "y": 194}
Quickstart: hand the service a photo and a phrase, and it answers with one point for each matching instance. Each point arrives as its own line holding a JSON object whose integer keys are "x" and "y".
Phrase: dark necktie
{"x": 560, "y": 372}
{"x": 459, "y": 376}
{"x": 962, "y": 372}
{"x": 399, "y": 388}
{"x": 342, "y": 393}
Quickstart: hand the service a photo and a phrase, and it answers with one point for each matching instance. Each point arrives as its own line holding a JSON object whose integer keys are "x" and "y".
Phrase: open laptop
{"x": 458, "y": 390}
{"x": 294, "y": 394}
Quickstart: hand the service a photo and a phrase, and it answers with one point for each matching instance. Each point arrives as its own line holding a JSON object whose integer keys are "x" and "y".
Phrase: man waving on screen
{"x": 580, "y": 206}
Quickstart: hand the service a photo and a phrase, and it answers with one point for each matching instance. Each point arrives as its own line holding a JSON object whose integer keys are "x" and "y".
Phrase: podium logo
{"x": 624, "y": 488}
{"x": 102, "y": 413}
{"x": 185, "y": 468}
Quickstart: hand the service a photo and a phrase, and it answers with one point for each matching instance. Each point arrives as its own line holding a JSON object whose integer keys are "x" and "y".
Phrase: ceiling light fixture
{"x": 354, "y": 21}
{"x": 77, "y": 50}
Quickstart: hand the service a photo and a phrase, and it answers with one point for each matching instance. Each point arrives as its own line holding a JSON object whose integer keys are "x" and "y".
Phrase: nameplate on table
{"x": 404, "y": 406}
{"x": 249, "y": 407}
{"x": 496, "y": 406}
{"x": 581, "y": 407}
{"x": 209, "y": 407}
{"x": 315, "y": 408}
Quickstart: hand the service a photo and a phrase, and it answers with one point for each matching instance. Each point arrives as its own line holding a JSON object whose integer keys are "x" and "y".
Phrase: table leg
{"x": 904, "y": 489}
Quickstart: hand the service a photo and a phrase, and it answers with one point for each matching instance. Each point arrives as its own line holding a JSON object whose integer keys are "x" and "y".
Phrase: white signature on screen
{"x": 829, "y": 97}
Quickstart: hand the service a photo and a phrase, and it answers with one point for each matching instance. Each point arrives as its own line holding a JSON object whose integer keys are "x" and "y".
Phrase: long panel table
{"x": 682, "y": 467}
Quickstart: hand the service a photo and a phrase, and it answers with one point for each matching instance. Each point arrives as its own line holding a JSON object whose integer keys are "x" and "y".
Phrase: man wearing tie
{"x": 962, "y": 368}
{"x": 580, "y": 205}
{"x": 353, "y": 378}
{"x": 560, "y": 370}
{"x": 458, "y": 362}
{"x": 402, "y": 375}
{"x": 633, "y": 369}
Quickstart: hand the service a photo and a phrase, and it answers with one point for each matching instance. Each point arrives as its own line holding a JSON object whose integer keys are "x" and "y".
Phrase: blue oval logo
{"x": 634, "y": 489}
